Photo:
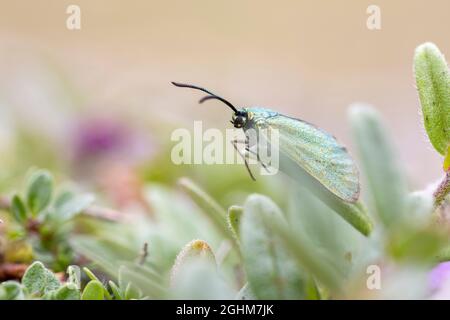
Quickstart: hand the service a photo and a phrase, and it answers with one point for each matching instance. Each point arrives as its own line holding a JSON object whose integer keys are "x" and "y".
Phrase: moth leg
{"x": 257, "y": 158}
{"x": 247, "y": 148}
{"x": 234, "y": 143}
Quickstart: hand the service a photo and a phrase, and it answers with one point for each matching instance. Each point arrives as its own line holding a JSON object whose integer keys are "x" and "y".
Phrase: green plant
{"x": 42, "y": 222}
{"x": 258, "y": 247}
{"x": 38, "y": 282}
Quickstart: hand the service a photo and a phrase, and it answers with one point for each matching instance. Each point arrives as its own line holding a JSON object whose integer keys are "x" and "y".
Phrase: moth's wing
{"x": 319, "y": 154}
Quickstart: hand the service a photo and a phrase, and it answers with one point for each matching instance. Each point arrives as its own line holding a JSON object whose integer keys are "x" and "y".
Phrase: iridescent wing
{"x": 318, "y": 153}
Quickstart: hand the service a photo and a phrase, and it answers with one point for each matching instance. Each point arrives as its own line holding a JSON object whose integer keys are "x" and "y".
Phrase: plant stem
{"x": 12, "y": 271}
{"x": 442, "y": 190}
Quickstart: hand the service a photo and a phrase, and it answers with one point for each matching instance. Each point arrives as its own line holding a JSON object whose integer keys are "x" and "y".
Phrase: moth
{"x": 314, "y": 150}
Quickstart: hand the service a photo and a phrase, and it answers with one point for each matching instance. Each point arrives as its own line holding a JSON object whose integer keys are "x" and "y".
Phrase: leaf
{"x": 443, "y": 254}
{"x": 148, "y": 271}
{"x": 11, "y": 290}
{"x": 420, "y": 246}
{"x": 446, "y": 164}
{"x": 39, "y": 191}
{"x": 94, "y": 290}
{"x": 131, "y": 292}
{"x": 18, "y": 209}
{"x": 419, "y": 205}
{"x": 433, "y": 84}
{"x": 38, "y": 280}
{"x": 69, "y": 291}
{"x": 210, "y": 207}
{"x": 234, "y": 219}
{"x": 92, "y": 276}
{"x": 385, "y": 179}
{"x": 330, "y": 239}
{"x": 354, "y": 213}
{"x": 179, "y": 220}
{"x": 74, "y": 275}
{"x": 306, "y": 255}
{"x": 199, "y": 279}
{"x": 69, "y": 205}
{"x": 115, "y": 290}
{"x": 312, "y": 291}
{"x": 193, "y": 250}
{"x": 104, "y": 253}
{"x": 51, "y": 295}
{"x": 271, "y": 272}
{"x": 140, "y": 280}
{"x": 245, "y": 293}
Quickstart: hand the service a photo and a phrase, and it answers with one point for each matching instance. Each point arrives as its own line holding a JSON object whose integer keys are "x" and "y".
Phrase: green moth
{"x": 314, "y": 150}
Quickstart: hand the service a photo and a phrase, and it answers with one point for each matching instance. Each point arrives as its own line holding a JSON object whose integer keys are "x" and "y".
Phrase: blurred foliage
{"x": 226, "y": 237}
{"x": 38, "y": 282}
{"x": 41, "y": 222}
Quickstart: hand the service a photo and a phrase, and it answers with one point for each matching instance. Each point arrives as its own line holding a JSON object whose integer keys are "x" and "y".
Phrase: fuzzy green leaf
{"x": 385, "y": 179}
{"x": 18, "y": 209}
{"x": 271, "y": 272}
{"x": 11, "y": 290}
{"x": 38, "y": 280}
{"x": 39, "y": 191}
{"x": 69, "y": 291}
{"x": 193, "y": 250}
{"x": 68, "y": 205}
{"x": 200, "y": 279}
{"x": 234, "y": 219}
{"x": 74, "y": 275}
{"x": 306, "y": 254}
{"x": 329, "y": 239}
{"x": 433, "y": 84}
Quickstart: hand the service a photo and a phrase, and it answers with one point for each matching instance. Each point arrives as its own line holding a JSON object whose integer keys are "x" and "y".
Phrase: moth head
{"x": 239, "y": 119}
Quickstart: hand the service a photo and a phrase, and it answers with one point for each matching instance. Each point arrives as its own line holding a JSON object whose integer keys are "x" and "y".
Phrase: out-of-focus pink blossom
{"x": 106, "y": 153}
{"x": 106, "y": 139}
{"x": 439, "y": 281}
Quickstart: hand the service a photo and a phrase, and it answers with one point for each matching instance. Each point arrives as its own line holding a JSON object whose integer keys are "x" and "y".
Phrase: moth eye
{"x": 239, "y": 122}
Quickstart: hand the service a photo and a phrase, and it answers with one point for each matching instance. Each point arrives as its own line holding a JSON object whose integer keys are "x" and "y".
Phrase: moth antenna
{"x": 211, "y": 95}
{"x": 208, "y": 98}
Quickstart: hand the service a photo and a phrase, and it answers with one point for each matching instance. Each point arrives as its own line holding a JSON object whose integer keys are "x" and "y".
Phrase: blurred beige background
{"x": 308, "y": 59}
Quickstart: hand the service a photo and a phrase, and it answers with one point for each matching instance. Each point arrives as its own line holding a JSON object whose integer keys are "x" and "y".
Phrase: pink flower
{"x": 439, "y": 281}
